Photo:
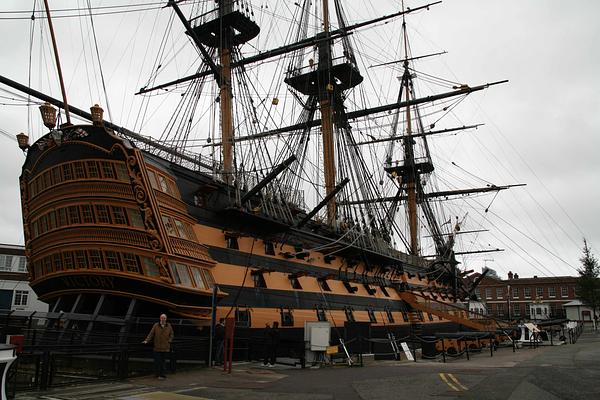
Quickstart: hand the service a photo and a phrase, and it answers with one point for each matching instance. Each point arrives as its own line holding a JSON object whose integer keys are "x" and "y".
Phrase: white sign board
{"x": 317, "y": 334}
{"x": 407, "y": 351}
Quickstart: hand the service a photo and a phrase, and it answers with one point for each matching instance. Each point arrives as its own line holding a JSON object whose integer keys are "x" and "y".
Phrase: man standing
{"x": 271, "y": 343}
{"x": 161, "y": 335}
{"x": 219, "y": 339}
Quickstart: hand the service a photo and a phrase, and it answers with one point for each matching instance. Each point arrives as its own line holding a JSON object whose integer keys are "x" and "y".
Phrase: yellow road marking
{"x": 463, "y": 387}
{"x": 443, "y": 376}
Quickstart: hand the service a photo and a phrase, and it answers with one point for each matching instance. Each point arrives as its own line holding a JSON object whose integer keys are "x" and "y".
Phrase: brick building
{"x": 527, "y": 298}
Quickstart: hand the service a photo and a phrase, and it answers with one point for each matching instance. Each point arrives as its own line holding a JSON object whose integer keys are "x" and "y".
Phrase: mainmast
{"x": 227, "y": 27}
{"x": 325, "y": 98}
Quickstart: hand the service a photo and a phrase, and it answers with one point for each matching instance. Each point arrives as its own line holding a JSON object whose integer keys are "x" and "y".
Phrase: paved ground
{"x": 548, "y": 373}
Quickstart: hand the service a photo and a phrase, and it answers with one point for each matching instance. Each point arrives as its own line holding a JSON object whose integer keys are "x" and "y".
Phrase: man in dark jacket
{"x": 271, "y": 343}
{"x": 161, "y": 335}
{"x": 219, "y": 339}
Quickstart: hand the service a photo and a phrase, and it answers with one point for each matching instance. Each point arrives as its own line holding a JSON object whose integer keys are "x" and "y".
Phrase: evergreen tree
{"x": 588, "y": 284}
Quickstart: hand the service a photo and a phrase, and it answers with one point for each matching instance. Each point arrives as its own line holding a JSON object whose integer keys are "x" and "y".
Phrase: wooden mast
{"x": 409, "y": 158}
{"x": 327, "y": 119}
{"x": 225, "y": 96}
{"x": 60, "y": 77}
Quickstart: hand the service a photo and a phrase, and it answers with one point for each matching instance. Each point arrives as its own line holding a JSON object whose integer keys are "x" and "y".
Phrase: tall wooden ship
{"x": 326, "y": 211}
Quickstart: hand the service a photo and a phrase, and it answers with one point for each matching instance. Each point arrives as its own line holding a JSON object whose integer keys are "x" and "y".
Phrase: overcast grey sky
{"x": 542, "y": 128}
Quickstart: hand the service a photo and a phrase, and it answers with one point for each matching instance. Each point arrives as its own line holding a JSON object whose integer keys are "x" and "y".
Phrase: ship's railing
{"x": 312, "y": 67}
{"x": 244, "y": 7}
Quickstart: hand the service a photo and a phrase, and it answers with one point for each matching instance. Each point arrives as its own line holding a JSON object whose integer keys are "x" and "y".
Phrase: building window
{"x": 349, "y": 314}
{"x": 539, "y": 292}
{"x": 499, "y": 293}
{"x": 500, "y": 309}
{"x": 372, "y": 316}
{"x": 478, "y": 293}
{"x": 527, "y": 292}
{"x": 287, "y": 318}
{"x": 515, "y": 293}
{"x": 21, "y": 297}
{"x": 321, "y": 315}
{"x": 552, "y": 292}
{"x": 516, "y": 310}
{"x": 488, "y": 293}
{"x": 22, "y": 267}
{"x": 6, "y": 263}
{"x": 564, "y": 291}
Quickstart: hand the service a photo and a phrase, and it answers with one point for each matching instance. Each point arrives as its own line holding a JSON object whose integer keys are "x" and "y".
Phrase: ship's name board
{"x": 101, "y": 282}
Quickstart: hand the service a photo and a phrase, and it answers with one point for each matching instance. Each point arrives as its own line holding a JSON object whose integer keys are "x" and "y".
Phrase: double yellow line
{"x": 456, "y": 386}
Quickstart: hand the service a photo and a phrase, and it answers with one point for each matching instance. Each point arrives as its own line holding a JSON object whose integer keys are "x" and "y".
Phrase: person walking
{"x": 219, "y": 339}
{"x": 271, "y": 343}
{"x": 161, "y": 335}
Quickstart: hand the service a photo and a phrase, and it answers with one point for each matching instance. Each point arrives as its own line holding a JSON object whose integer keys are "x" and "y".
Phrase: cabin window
{"x": 152, "y": 177}
{"x": 197, "y": 274}
{"x": 92, "y": 169}
{"x": 62, "y": 217}
{"x": 87, "y": 214}
{"x": 102, "y": 214}
{"x": 372, "y": 316}
{"x": 150, "y": 267}
{"x": 118, "y": 215}
{"x": 56, "y": 175}
{"x": 135, "y": 217}
{"x": 208, "y": 278}
{"x": 321, "y": 315}
{"x": 384, "y": 291}
{"x": 79, "y": 170}
{"x": 258, "y": 279}
{"x": 349, "y": 314}
{"x": 324, "y": 285}
{"x": 269, "y": 248}
{"x": 130, "y": 262}
{"x": 185, "y": 230}
{"x": 162, "y": 182}
{"x": 287, "y": 318}
{"x": 121, "y": 172}
{"x": 67, "y": 172}
{"x": 349, "y": 287}
{"x": 80, "y": 260}
{"x": 112, "y": 260}
{"x": 96, "y": 259}
{"x": 295, "y": 282}
{"x": 527, "y": 292}
{"x": 390, "y": 316}
{"x": 51, "y": 220}
{"x": 107, "y": 170}
{"x": 48, "y": 265}
{"x": 181, "y": 274}
{"x": 169, "y": 226}
{"x": 68, "y": 260}
{"x": 231, "y": 242}
{"x": 242, "y": 318}
{"x": 57, "y": 262}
